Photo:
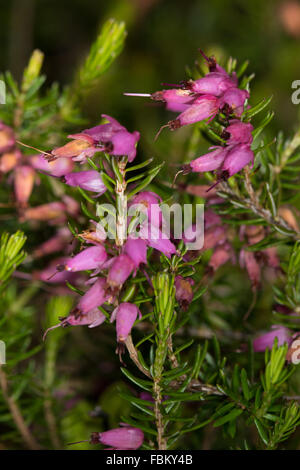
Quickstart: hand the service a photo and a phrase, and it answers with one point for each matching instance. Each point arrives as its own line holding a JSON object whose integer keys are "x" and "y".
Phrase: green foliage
{"x": 11, "y": 255}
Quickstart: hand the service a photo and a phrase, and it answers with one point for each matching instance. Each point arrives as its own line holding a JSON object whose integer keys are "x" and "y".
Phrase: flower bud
{"x": 94, "y": 297}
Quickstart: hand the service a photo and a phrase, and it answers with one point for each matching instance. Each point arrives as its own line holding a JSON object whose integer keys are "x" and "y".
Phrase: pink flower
{"x": 90, "y": 180}
{"x": 124, "y": 438}
{"x": 204, "y": 107}
{"x": 125, "y": 315}
{"x": 239, "y": 132}
{"x": 112, "y": 138}
{"x": 90, "y": 258}
{"x": 267, "y": 340}
{"x": 120, "y": 270}
{"x": 236, "y": 159}
{"x": 92, "y": 318}
{"x": 214, "y": 83}
{"x": 176, "y": 99}
{"x": 234, "y": 99}
{"x": 58, "y": 167}
{"x": 94, "y": 297}
{"x": 155, "y": 238}
{"x": 148, "y": 202}
{"x": 210, "y": 161}
{"x": 136, "y": 249}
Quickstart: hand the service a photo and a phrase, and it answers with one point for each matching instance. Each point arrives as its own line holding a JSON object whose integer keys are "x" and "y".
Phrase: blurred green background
{"x": 163, "y": 38}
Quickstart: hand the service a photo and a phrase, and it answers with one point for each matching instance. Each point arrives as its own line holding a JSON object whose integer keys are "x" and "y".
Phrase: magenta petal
{"x": 267, "y": 340}
{"x": 210, "y": 161}
{"x": 125, "y": 438}
{"x": 90, "y": 258}
{"x": 136, "y": 249}
{"x": 94, "y": 297}
{"x": 89, "y": 180}
{"x": 126, "y": 314}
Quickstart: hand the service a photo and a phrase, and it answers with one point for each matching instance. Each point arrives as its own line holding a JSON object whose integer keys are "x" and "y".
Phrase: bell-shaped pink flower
{"x": 92, "y": 318}
{"x": 90, "y": 258}
{"x": 210, "y": 161}
{"x": 214, "y": 83}
{"x": 234, "y": 99}
{"x": 24, "y": 181}
{"x": 155, "y": 238}
{"x": 136, "y": 249}
{"x": 94, "y": 297}
{"x": 204, "y": 107}
{"x": 176, "y": 99}
{"x": 123, "y": 438}
{"x": 120, "y": 270}
{"x": 267, "y": 340}
{"x": 59, "y": 167}
{"x": 90, "y": 180}
{"x": 236, "y": 159}
{"x": 125, "y": 315}
{"x": 239, "y": 132}
{"x": 79, "y": 149}
{"x": 112, "y": 138}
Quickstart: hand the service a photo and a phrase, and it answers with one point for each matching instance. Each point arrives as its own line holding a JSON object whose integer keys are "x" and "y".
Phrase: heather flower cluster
{"x": 214, "y": 96}
{"x": 114, "y": 251}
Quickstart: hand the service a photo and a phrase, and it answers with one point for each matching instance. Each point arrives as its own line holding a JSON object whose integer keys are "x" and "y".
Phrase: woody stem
{"x": 121, "y": 201}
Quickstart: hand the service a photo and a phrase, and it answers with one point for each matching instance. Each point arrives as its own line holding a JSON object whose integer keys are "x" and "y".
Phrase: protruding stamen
{"x": 160, "y": 130}
{"x": 143, "y": 95}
